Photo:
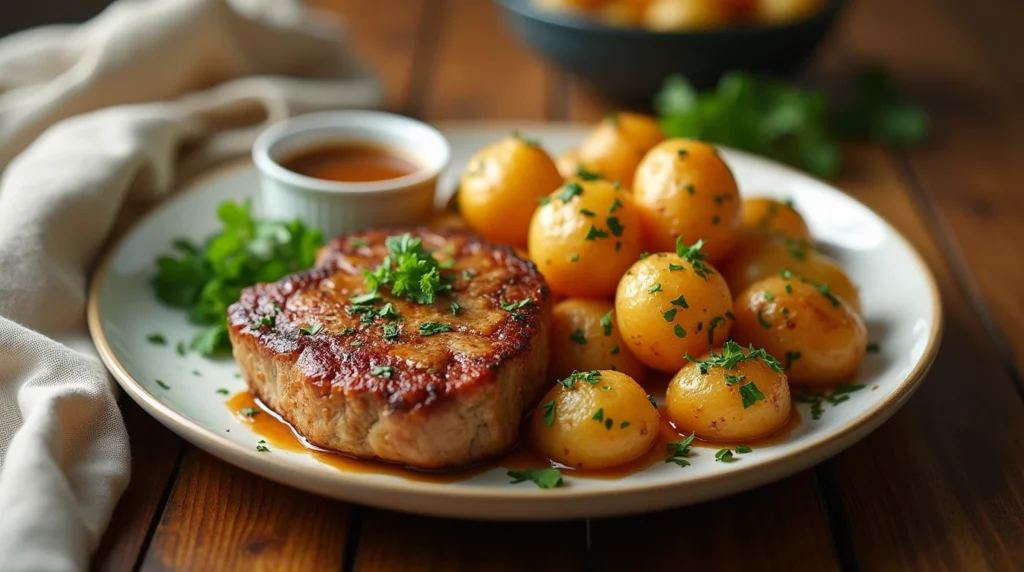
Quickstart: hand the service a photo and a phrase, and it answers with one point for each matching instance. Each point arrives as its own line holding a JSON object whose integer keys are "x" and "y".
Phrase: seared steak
{"x": 373, "y": 380}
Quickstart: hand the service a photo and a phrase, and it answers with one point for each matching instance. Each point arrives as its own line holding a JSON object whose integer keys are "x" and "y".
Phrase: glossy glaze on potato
{"x": 585, "y": 237}
{"x": 585, "y": 336}
{"x": 664, "y": 310}
{"x": 614, "y": 148}
{"x": 500, "y": 187}
{"x": 684, "y": 189}
{"x": 769, "y": 215}
{"x": 595, "y": 424}
{"x": 711, "y": 407}
{"x": 818, "y": 337}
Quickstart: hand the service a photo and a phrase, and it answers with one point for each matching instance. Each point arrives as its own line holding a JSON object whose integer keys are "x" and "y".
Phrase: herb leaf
{"x": 543, "y": 478}
{"x": 431, "y": 328}
{"x": 606, "y": 323}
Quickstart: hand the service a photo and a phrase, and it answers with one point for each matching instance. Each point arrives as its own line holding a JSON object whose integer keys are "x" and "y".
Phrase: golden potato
{"x": 584, "y": 238}
{"x": 568, "y": 163}
{"x": 768, "y": 215}
{"x": 584, "y": 337}
{"x": 595, "y": 420}
{"x": 735, "y": 394}
{"x": 668, "y": 305}
{"x": 687, "y": 14}
{"x": 614, "y": 147}
{"x": 500, "y": 187}
{"x": 786, "y": 11}
{"x": 817, "y": 335}
{"x": 684, "y": 189}
{"x": 759, "y": 255}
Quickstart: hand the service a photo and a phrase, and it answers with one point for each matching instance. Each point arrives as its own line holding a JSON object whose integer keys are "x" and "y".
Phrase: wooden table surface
{"x": 940, "y": 486}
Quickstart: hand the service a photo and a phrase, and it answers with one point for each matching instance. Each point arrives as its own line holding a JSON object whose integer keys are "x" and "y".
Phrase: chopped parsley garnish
{"x": 311, "y": 329}
{"x": 654, "y": 289}
{"x": 678, "y": 451}
{"x": 842, "y": 392}
{"x": 388, "y": 312}
{"x": 796, "y": 249}
{"x": 223, "y": 391}
{"x": 409, "y": 270}
{"x": 586, "y": 175}
{"x": 682, "y": 153}
{"x": 670, "y": 315}
{"x": 382, "y": 371}
{"x": 366, "y": 299}
{"x": 791, "y": 356}
{"x": 694, "y": 256}
{"x": 587, "y": 213}
{"x": 725, "y": 456}
{"x": 614, "y": 350}
{"x": 733, "y": 379}
{"x": 266, "y": 320}
{"x": 578, "y": 337}
{"x": 719, "y": 199}
{"x": 355, "y": 343}
{"x": 715, "y": 322}
{"x": 568, "y": 191}
{"x": 608, "y": 423}
{"x": 592, "y": 377}
{"x": 391, "y": 331}
{"x": 197, "y": 373}
{"x": 357, "y": 242}
{"x": 674, "y": 267}
{"x": 614, "y": 225}
{"x": 689, "y": 188}
{"x": 716, "y": 219}
{"x": 814, "y": 399}
{"x": 468, "y": 274}
{"x": 768, "y": 296}
{"x": 548, "y": 410}
{"x": 261, "y": 446}
{"x": 732, "y": 354}
{"x": 156, "y": 339}
{"x": 455, "y": 308}
{"x": 624, "y": 424}
{"x": 598, "y": 415}
{"x": 606, "y": 323}
{"x": 206, "y": 278}
{"x": 509, "y": 306}
{"x": 741, "y": 449}
{"x": 595, "y": 233}
{"x": 180, "y": 348}
{"x": 162, "y": 385}
{"x": 679, "y": 331}
{"x": 750, "y": 394}
{"x": 643, "y": 255}
{"x": 874, "y": 348}
{"x": 654, "y": 403}
{"x": 249, "y": 412}
{"x": 544, "y": 478}
{"x": 681, "y": 302}
{"x": 575, "y": 258}
{"x": 760, "y": 318}
{"x": 789, "y": 289}
{"x": 431, "y": 328}
{"x": 616, "y": 205}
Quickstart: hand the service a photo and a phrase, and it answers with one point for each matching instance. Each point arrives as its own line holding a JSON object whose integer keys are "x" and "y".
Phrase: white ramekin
{"x": 340, "y": 207}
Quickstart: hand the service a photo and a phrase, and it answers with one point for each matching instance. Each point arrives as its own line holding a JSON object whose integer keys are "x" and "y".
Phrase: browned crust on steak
{"x": 452, "y": 398}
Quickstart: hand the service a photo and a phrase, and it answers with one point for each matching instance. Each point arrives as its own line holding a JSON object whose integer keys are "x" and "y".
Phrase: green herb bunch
{"x": 206, "y": 279}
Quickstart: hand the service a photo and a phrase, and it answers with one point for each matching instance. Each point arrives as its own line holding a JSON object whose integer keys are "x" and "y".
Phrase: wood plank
{"x": 387, "y": 35}
{"x": 970, "y": 171}
{"x": 798, "y": 538}
{"x": 393, "y": 542}
{"x": 941, "y": 485}
{"x": 155, "y": 456}
{"x": 481, "y": 71}
{"x": 219, "y": 517}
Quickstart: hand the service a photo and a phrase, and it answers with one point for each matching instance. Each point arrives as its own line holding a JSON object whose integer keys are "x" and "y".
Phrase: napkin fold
{"x": 97, "y": 122}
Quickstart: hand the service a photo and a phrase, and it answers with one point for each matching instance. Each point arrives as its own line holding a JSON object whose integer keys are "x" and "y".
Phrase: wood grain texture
{"x": 219, "y": 517}
{"x": 941, "y": 485}
{"x": 155, "y": 456}
{"x": 394, "y": 542}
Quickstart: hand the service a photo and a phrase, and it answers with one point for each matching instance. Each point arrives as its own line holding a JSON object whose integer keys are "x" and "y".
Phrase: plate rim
{"x": 788, "y": 463}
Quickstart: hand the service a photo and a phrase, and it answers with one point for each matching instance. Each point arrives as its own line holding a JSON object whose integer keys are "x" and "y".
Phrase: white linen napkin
{"x": 97, "y": 121}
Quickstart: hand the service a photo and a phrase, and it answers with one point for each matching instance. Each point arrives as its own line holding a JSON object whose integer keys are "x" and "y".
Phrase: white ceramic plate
{"x": 900, "y": 300}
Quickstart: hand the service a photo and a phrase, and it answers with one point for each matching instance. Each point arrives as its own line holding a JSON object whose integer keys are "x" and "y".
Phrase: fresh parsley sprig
{"x": 409, "y": 270}
{"x": 543, "y": 478}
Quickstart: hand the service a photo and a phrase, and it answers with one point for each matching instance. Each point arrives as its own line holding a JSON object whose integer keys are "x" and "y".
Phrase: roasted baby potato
{"x": 759, "y": 255}
{"x": 684, "y": 189}
{"x": 733, "y": 394}
{"x": 500, "y": 187}
{"x": 818, "y": 336}
{"x": 584, "y": 337}
{"x": 615, "y": 146}
{"x": 595, "y": 420}
{"x": 668, "y": 305}
{"x": 768, "y": 215}
{"x": 584, "y": 238}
